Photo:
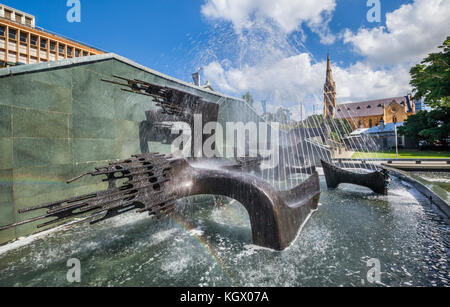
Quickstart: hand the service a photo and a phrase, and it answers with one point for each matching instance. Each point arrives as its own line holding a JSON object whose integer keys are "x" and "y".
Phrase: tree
{"x": 431, "y": 78}
{"x": 427, "y": 126}
{"x": 248, "y": 97}
{"x": 414, "y": 125}
{"x": 439, "y": 126}
{"x": 341, "y": 126}
{"x": 314, "y": 121}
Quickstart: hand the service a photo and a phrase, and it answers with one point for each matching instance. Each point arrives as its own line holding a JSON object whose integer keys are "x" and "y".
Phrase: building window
{"x": 69, "y": 51}
{"x": 369, "y": 107}
{"x": 61, "y": 49}
{"x": 28, "y": 21}
{"x": 394, "y": 119}
{"x": 18, "y": 18}
{"x": 370, "y": 123}
{"x": 85, "y": 53}
{"x": 33, "y": 40}
{"x": 8, "y": 14}
{"x": 359, "y": 124}
{"x": 12, "y": 34}
{"x": 23, "y": 37}
{"x": 358, "y": 108}
{"x": 52, "y": 46}
{"x": 43, "y": 43}
{"x": 77, "y": 52}
{"x": 2, "y": 31}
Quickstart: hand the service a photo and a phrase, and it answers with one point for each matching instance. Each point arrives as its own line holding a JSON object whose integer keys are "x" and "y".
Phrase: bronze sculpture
{"x": 153, "y": 183}
{"x": 377, "y": 181}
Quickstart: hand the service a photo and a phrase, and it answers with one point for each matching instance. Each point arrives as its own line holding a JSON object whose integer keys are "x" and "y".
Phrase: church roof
{"x": 368, "y": 108}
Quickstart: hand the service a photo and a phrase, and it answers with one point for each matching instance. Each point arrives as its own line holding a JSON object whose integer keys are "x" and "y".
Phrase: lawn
{"x": 402, "y": 154}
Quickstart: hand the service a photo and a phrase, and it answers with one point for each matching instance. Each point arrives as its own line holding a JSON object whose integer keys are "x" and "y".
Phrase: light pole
{"x": 396, "y": 140}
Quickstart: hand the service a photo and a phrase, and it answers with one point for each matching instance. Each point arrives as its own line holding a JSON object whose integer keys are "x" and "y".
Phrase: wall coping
{"x": 30, "y": 68}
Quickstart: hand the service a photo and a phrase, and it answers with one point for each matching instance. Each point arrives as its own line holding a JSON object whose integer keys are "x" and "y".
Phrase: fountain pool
{"x": 209, "y": 245}
{"x": 441, "y": 179}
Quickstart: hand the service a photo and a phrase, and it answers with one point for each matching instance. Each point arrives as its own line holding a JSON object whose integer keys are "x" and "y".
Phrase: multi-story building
{"x": 22, "y": 42}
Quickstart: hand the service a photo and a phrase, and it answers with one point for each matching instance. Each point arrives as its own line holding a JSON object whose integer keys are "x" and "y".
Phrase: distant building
{"x": 421, "y": 106}
{"x": 382, "y": 137}
{"x": 366, "y": 114}
{"x": 21, "y": 42}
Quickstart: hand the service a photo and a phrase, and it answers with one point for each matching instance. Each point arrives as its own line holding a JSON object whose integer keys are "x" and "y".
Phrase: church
{"x": 365, "y": 114}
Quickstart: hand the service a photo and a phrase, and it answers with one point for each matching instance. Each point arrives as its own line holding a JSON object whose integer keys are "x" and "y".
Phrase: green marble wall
{"x": 61, "y": 122}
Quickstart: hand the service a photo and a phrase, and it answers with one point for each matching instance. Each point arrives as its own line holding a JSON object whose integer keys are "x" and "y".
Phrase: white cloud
{"x": 361, "y": 82}
{"x": 297, "y": 79}
{"x": 411, "y": 32}
{"x": 289, "y": 15}
{"x": 270, "y": 68}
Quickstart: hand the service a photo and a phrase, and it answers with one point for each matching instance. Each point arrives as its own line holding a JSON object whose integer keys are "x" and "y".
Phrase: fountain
{"x": 196, "y": 240}
{"x": 153, "y": 182}
{"x": 377, "y": 181}
{"x": 210, "y": 245}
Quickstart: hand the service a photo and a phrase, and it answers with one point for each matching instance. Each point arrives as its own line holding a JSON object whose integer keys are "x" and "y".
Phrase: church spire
{"x": 330, "y": 102}
{"x": 329, "y": 70}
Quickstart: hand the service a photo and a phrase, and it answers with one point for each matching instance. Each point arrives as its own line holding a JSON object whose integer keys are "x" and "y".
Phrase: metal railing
{"x": 391, "y": 161}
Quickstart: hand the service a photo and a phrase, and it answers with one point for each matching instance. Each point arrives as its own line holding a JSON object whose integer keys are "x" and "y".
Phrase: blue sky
{"x": 156, "y": 33}
{"x": 168, "y": 35}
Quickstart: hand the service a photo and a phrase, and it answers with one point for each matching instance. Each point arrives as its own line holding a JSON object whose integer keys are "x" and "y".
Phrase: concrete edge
{"x": 29, "y": 68}
{"x": 442, "y": 204}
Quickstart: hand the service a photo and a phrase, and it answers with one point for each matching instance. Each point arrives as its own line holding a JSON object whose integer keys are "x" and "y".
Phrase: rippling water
{"x": 442, "y": 179}
{"x": 212, "y": 246}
